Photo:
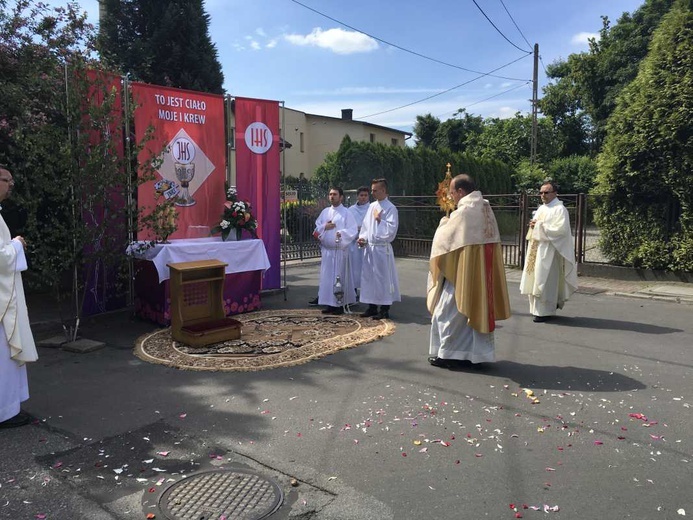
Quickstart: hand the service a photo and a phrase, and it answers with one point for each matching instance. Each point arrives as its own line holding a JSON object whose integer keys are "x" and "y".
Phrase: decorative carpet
{"x": 269, "y": 339}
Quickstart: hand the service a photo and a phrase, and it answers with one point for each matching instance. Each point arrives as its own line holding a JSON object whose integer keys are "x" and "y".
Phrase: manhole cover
{"x": 226, "y": 493}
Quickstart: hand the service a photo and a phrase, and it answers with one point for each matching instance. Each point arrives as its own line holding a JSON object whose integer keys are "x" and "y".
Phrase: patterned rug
{"x": 269, "y": 339}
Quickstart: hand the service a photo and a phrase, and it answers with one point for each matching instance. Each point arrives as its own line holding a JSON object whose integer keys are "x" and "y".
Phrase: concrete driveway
{"x": 584, "y": 417}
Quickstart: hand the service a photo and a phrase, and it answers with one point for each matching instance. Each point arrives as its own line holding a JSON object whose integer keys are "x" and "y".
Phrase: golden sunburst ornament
{"x": 443, "y": 193}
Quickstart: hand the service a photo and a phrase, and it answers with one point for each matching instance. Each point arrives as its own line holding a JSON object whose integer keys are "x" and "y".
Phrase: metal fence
{"x": 419, "y": 217}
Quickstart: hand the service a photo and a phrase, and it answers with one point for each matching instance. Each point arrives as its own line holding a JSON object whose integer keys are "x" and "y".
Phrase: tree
{"x": 508, "y": 140}
{"x": 456, "y": 133}
{"x": 646, "y": 167}
{"x": 425, "y": 129}
{"x": 161, "y": 42}
{"x": 60, "y": 137}
{"x": 590, "y": 82}
{"x": 563, "y": 106}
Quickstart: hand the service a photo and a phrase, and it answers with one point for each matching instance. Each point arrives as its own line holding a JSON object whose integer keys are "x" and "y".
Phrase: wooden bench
{"x": 197, "y": 304}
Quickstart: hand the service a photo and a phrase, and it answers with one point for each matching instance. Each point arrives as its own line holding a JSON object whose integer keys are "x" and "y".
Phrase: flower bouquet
{"x": 236, "y": 217}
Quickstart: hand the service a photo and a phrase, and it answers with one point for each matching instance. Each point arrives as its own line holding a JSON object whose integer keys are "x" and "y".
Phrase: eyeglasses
{"x": 545, "y": 192}
{"x": 8, "y": 181}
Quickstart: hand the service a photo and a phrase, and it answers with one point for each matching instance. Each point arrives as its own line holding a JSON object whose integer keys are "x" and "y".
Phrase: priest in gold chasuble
{"x": 467, "y": 291}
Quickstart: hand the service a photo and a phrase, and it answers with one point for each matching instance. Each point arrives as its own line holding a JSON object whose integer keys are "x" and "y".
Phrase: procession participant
{"x": 16, "y": 340}
{"x": 379, "y": 282}
{"x": 336, "y": 229}
{"x": 467, "y": 291}
{"x": 549, "y": 276}
{"x": 358, "y": 211}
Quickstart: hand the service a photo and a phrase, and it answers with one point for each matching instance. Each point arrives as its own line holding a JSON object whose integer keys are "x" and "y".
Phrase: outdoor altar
{"x": 246, "y": 261}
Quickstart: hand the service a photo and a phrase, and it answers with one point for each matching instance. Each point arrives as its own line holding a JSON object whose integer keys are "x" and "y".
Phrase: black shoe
{"x": 20, "y": 419}
{"x": 541, "y": 319}
{"x": 438, "y": 362}
{"x": 327, "y": 310}
{"x": 382, "y": 316}
{"x": 372, "y": 310}
{"x": 313, "y": 302}
{"x": 337, "y": 311}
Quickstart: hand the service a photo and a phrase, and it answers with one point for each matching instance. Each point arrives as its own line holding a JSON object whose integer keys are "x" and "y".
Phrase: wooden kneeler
{"x": 197, "y": 304}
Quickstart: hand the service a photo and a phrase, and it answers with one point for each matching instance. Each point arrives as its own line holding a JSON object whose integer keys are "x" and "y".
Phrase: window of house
{"x": 372, "y": 138}
{"x": 302, "y": 144}
{"x": 395, "y": 142}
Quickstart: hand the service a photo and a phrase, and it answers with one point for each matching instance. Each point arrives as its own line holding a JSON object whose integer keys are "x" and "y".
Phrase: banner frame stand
{"x": 129, "y": 197}
{"x": 282, "y": 142}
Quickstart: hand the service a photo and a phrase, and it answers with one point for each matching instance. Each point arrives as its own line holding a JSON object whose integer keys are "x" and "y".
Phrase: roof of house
{"x": 365, "y": 123}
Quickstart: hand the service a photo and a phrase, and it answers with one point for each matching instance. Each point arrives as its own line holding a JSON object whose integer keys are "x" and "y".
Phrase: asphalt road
{"x": 375, "y": 432}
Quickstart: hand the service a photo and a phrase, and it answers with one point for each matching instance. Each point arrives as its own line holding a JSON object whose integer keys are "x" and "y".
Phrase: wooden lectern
{"x": 197, "y": 304}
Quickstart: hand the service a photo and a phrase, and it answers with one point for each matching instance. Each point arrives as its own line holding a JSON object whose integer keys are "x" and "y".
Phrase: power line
{"x": 445, "y": 91}
{"x": 497, "y": 29}
{"x": 543, "y": 67}
{"x": 515, "y": 23}
{"x": 495, "y": 95}
{"x": 402, "y": 48}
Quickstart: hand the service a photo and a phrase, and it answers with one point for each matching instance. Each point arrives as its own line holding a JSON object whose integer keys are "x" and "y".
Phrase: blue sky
{"x": 278, "y": 49}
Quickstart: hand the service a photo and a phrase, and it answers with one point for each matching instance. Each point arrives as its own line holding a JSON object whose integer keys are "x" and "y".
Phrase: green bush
{"x": 409, "y": 171}
{"x": 646, "y": 167}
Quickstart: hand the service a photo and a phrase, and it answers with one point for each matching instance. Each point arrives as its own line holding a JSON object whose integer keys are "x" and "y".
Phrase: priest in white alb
{"x": 549, "y": 276}
{"x": 467, "y": 290}
{"x": 379, "y": 281}
{"x": 16, "y": 340}
{"x": 358, "y": 211}
{"x": 336, "y": 229}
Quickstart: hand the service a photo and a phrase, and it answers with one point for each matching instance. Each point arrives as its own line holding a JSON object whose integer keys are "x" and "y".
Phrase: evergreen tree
{"x": 164, "y": 42}
{"x": 425, "y": 129}
{"x": 646, "y": 168}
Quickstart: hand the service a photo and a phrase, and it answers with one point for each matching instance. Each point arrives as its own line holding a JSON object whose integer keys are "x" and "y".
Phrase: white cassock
{"x": 335, "y": 254}
{"x": 16, "y": 340}
{"x": 379, "y": 282}
{"x": 356, "y": 252}
{"x": 452, "y": 338}
{"x": 549, "y": 277}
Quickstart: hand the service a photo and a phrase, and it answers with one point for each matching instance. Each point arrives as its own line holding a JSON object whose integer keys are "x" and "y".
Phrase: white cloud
{"x": 255, "y": 45}
{"x": 505, "y": 112}
{"x": 260, "y": 32}
{"x": 488, "y": 85}
{"x": 271, "y": 44}
{"x": 582, "y": 38}
{"x": 505, "y": 85}
{"x": 338, "y": 41}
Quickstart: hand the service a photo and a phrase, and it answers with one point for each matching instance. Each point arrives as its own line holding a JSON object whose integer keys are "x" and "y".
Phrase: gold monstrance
{"x": 443, "y": 194}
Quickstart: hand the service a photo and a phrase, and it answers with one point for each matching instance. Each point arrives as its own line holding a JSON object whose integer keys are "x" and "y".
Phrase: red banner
{"x": 189, "y": 141}
{"x": 103, "y": 119}
{"x": 258, "y": 174}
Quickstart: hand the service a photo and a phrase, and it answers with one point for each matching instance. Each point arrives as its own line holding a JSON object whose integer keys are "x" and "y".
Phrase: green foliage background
{"x": 646, "y": 167}
{"x": 409, "y": 171}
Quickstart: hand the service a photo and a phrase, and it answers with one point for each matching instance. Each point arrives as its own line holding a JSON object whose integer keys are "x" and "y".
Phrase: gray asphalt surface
{"x": 375, "y": 432}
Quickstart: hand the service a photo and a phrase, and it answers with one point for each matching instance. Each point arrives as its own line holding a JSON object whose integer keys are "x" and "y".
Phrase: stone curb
{"x": 655, "y": 297}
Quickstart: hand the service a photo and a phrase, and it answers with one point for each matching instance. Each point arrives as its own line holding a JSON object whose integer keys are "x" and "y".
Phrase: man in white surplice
{"x": 549, "y": 277}
{"x": 379, "y": 282}
{"x": 336, "y": 229}
{"x": 359, "y": 211}
{"x": 16, "y": 340}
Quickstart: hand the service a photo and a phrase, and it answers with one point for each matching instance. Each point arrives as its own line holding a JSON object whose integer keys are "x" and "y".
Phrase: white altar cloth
{"x": 241, "y": 256}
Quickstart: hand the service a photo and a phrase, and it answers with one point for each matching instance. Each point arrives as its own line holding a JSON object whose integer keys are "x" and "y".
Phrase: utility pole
{"x": 535, "y": 105}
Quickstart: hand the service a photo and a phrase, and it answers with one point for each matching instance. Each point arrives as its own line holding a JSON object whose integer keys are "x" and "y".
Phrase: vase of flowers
{"x": 236, "y": 217}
